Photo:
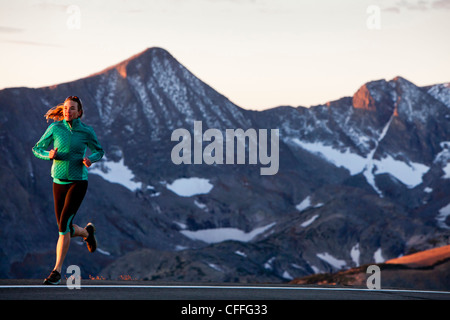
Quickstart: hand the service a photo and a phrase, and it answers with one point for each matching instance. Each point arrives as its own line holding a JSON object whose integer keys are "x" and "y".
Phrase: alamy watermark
{"x": 373, "y": 21}
{"x": 374, "y": 280}
{"x": 73, "y": 22}
{"x": 190, "y": 149}
{"x": 74, "y": 281}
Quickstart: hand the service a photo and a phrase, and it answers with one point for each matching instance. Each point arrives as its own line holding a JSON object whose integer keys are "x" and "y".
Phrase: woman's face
{"x": 70, "y": 110}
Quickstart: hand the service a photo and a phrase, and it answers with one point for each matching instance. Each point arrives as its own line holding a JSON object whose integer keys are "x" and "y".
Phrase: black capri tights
{"x": 68, "y": 198}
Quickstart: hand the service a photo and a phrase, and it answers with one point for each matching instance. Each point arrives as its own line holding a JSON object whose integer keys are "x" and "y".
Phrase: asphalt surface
{"x": 31, "y": 289}
{"x": 217, "y": 301}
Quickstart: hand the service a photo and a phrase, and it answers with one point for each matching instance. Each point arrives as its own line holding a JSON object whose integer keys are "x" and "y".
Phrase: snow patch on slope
{"x": 442, "y": 217}
{"x": 306, "y": 203}
{"x": 188, "y": 187}
{"x": 115, "y": 172}
{"x": 328, "y": 258}
{"x": 409, "y": 173}
{"x": 217, "y": 235}
{"x": 352, "y": 162}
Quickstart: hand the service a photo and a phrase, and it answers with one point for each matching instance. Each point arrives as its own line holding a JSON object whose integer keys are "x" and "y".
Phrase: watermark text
{"x": 190, "y": 149}
{"x": 374, "y": 280}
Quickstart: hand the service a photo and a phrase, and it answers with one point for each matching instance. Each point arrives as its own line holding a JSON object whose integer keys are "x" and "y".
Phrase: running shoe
{"x": 53, "y": 279}
{"x": 91, "y": 242}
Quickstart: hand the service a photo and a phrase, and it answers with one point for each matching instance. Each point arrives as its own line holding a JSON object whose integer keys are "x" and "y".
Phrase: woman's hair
{"x": 56, "y": 113}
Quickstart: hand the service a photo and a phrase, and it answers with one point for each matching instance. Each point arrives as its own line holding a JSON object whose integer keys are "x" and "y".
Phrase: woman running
{"x": 70, "y": 138}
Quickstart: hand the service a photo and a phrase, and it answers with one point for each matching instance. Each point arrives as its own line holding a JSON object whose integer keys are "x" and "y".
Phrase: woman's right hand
{"x": 52, "y": 153}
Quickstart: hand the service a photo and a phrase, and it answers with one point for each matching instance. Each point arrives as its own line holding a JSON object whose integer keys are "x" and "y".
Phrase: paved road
{"x": 141, "y": 290}
{"x": 178, "y": 301}
{"x": 181, "y": 301}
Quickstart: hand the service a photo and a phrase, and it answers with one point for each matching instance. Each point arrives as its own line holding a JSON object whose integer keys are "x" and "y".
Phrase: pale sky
{"x": 258, "y": 53}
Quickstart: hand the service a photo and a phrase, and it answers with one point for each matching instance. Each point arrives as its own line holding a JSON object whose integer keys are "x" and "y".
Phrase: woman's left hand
{"x": 87, "y": 162}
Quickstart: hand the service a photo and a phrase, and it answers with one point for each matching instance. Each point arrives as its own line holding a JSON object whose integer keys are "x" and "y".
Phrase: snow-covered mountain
{"x": 390, "y": 128}
{"x": 361, "y": 179}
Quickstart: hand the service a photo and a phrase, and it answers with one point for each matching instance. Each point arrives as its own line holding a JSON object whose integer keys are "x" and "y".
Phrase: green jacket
{"x": 71, "y": 144}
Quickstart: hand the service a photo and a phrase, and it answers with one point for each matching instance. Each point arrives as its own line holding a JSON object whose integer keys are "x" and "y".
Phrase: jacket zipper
{"x": 70, "y": 143}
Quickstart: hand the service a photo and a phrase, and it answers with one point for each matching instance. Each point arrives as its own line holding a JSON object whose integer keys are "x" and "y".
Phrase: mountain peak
{"x": 121, "y": 67}
{"x": 378, "y": 96}
{"x": 362, "y": 99}
{"x": 399, "y": 79}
